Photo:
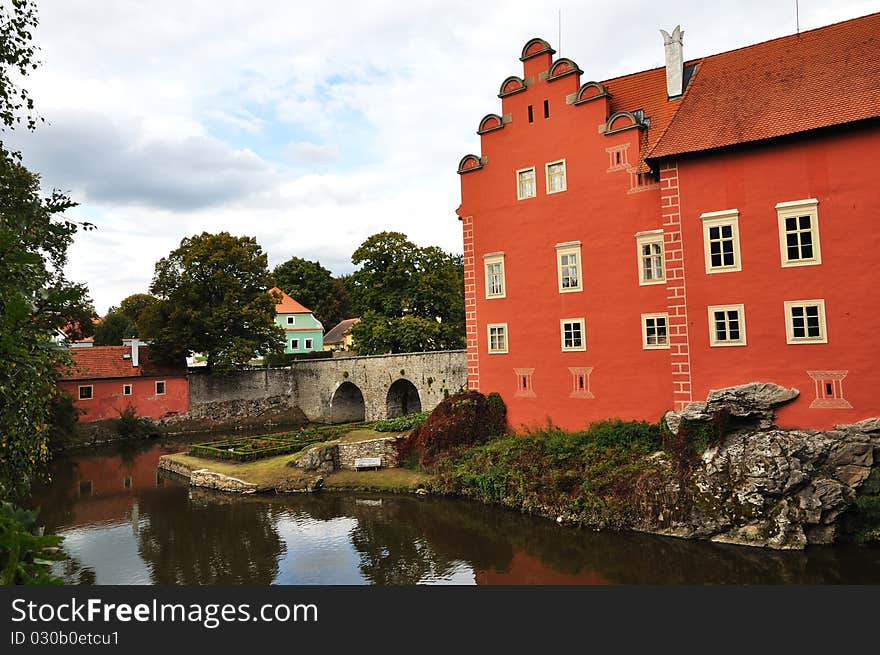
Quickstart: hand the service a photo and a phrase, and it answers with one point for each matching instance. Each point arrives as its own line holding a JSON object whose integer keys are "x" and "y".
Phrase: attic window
{"x": 546, "y": 109}
{"x": 291, "y": 320}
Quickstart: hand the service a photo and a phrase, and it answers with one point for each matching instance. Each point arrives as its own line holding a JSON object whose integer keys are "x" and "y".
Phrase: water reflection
{"x": 126, "y": 524}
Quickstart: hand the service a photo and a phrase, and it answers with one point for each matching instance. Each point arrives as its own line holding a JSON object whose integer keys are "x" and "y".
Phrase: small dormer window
{"x": 291, "y": 320}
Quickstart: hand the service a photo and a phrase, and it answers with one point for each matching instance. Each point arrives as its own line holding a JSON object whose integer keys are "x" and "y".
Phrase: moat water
{"x": 125, "y": 522}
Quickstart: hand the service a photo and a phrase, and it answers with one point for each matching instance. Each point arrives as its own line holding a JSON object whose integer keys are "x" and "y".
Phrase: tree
{"x": 315, "y": 287}
{"x": 135, "y": 305}
{"x": 115, "y": 327}
{"x": 213, "y": 301}
{"x": 36, "y": 298}
{"x": 410, "y": 298}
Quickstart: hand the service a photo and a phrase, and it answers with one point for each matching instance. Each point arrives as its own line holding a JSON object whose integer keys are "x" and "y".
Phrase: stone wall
{"x": 385, "y": 448}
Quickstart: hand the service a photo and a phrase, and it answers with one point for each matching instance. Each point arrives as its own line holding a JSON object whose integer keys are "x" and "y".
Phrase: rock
{"x": 421, "y": 491}
{"x": 868, "y": 426}
{"x": 852, "y": 475}
{"x": 220, "y": 482}
{"x": 316, "y": 485}
{"x": 861, "y": 454}
{"x": 319, "y": 458}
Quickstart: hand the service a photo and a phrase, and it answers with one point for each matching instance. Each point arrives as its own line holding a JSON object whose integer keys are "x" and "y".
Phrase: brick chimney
{"x": 674, "y": 61}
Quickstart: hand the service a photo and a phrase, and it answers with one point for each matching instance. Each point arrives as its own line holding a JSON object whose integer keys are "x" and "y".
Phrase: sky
{"x": 309, "y": 125}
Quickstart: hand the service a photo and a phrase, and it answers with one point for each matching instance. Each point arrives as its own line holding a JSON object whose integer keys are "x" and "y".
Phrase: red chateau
{"x": 632, "y": 244}
{"x": 106, "y": 379}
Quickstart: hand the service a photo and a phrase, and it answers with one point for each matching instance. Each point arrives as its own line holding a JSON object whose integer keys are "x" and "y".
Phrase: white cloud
{"x": 306, "y": 152}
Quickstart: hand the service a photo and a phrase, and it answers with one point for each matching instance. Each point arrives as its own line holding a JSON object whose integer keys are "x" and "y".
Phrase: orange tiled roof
{"x": 100, "y": 362}
{"x": 288, "y": 305}
{"x": 823, "y": 77}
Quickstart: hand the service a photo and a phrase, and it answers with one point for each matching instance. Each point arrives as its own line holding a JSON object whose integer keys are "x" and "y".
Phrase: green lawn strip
{"x": 269, "y": 473}
{"x": 390, "y": 479}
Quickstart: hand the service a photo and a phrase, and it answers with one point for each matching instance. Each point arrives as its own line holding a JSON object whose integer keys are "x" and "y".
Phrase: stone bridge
{"x": 341, "y": 389}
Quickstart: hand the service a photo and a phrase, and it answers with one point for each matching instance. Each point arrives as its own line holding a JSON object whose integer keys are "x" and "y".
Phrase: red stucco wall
{"x": 107, "y": 398}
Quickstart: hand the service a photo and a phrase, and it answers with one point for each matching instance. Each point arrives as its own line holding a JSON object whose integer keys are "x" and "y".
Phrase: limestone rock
{"x": 220, "y": 482}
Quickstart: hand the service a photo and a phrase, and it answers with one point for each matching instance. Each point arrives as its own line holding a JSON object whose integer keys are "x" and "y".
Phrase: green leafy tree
{"x": 115, "y": 327}
{"x": 409, "y": 298}
{"x": 315, "y": 287}
{"x": 213, "y": 301}
{"x": 36, "y": 298}
{"x": 135, "y": 305}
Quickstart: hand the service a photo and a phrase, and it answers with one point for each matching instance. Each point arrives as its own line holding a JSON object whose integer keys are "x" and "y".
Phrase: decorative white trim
{"x": 789, "y": 322}
{"x": 91, "y": 389}
{"x": 129, "y": 387}
{"x": 808, "y": 202}
{"x": 497, "y": 351}
{"x": 720, "y": 219}
{"x": 655, "y": 346}
{"x": 741, "y": 313}
{"x": 579, "y": 321}
{"x": 569, "y": 248}
{"x": 164, "y": 387}
{"x": 650, "y": 237}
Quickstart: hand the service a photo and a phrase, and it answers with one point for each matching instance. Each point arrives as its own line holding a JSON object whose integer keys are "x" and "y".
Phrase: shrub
{"x": 401, "y": 423}
{"x": 130, "y": 425}
{"x": 463, "y": 419}
{"x": 63, "y": 418}
{"x": 25, "y": 558}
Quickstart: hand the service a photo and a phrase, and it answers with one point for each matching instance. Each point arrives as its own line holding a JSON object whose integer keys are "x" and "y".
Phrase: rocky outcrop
{"x": 760, "y": 485}
{"x": 211, "y": 480}
{"x": 322, "y": 459}
{"x": 342, "y": 456}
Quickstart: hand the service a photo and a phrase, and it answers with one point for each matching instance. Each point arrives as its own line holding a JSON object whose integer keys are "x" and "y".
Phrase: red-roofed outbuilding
{"x": 631, "y": 244}
{"x": 104, "y": 380}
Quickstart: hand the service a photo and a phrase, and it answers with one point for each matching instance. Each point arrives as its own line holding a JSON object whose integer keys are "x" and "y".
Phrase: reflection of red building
{"x": 104, "y": 380}
{"x": 631, "y": 244}
{"x": 526, "y": 570}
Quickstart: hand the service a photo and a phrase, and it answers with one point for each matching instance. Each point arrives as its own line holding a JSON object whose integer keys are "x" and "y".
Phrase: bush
{"x": 63, "y": 418}
{"x": 25, "y": 558}
{"x": 460, "y": 420}
{"x": 129, "y": 425}
{"x": 401, "y": 423}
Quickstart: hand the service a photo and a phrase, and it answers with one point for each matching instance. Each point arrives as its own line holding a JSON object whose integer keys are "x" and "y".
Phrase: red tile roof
{"x": 823, "y": 77}
{"x": 99, "y": 362}
{"x": 287, "y": 305}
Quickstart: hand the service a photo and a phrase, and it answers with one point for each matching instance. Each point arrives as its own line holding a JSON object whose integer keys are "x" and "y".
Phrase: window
{"x": 655, "y": 331}
{"x": 572, "y": 333}
{"x": 494, "y": 266}
{"x": 291, "y": 320}
{"x": 546, "y": 109}
{"x": 294, "y": 344}
{"x": 829, "y": 390}
{"x": 524, "y": 386}
{"x": 799, "y": 232}
{"x": 525, "y": 183}
{"x": 805, "y": 321}
{"x": 85, "y": 487}
{"x": 617, "y": 159}
{"x": 555, "y": 173}
{"x": 126, "y": 389}
{"x": 650, "y": 254}
{"x": 309, "y": 343}
{"x": 727, "y": 326}
{"x": 497, "y": 338}
{"x": 531, "y": 115}
{"x": 721, "y": 241}
{"x": 126, "y": 482}
{"x": 85, "y": 392}
{"x": 160, "y": 388}
{"x": 580, "y": 382}
{"x": 568, "y": 258}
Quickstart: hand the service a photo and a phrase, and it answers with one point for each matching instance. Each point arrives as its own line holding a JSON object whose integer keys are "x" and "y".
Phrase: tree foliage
{"x": 115, "y": 327}
{"x": 212, "y": 300}
{"x": 36, "y": 299}
{"x": 315, "y": 287}
{"x": 135, "y": 305}
{"x": 409, "y": 298}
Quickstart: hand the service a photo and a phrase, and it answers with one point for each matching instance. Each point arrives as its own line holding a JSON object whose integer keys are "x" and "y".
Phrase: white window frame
{"x": 291, "y": 320}
{"x": 126, "y": 389}
{"x": 720, "y": 219}
{"x": 564, "y": 176}
{"x": 308, "y": 343}
{"x": 164, "y": 387}
{"x": 654, "y": 346}
{"x": 650, "y": 237}
{"x": 793, "y": 209}
{"x": 572, "y": 321}
{"x": 569, "y": 248}
{"x": 91, "y": 389}
{"x": 789, "y": 322}
{"x": 713, "y": 337}
{"x": 497, "y": 351}
{"x": 519, "y": 194}
{"x": 489, "y": 259}
{"x": 294, "y": 344}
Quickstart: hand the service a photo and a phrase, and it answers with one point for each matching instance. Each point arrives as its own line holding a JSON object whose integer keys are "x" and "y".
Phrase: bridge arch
{"x": 403, "y": 398}
{"x": 347, "y": 404}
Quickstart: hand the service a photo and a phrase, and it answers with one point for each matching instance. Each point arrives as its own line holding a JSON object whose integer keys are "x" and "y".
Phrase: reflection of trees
{"x": 74, "y": 572}
{"x": 209, "y": 539}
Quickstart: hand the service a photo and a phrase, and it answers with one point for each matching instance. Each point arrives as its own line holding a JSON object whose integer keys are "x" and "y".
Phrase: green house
{"x": 303, "y": 333}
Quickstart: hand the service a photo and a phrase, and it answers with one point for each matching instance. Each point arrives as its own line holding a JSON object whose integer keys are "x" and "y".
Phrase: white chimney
{"x": 674, "y": 61}
{"x": 134, "y": 352}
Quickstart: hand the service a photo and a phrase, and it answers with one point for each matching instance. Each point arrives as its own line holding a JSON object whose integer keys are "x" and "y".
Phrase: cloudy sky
{"x": 311, "y": 125}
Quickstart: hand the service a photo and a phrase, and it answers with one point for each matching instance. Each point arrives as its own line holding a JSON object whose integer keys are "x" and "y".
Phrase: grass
{"x": 363, "y": 434}
{"x": 393, "y": 479}
{"x": 270, "y": 473}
